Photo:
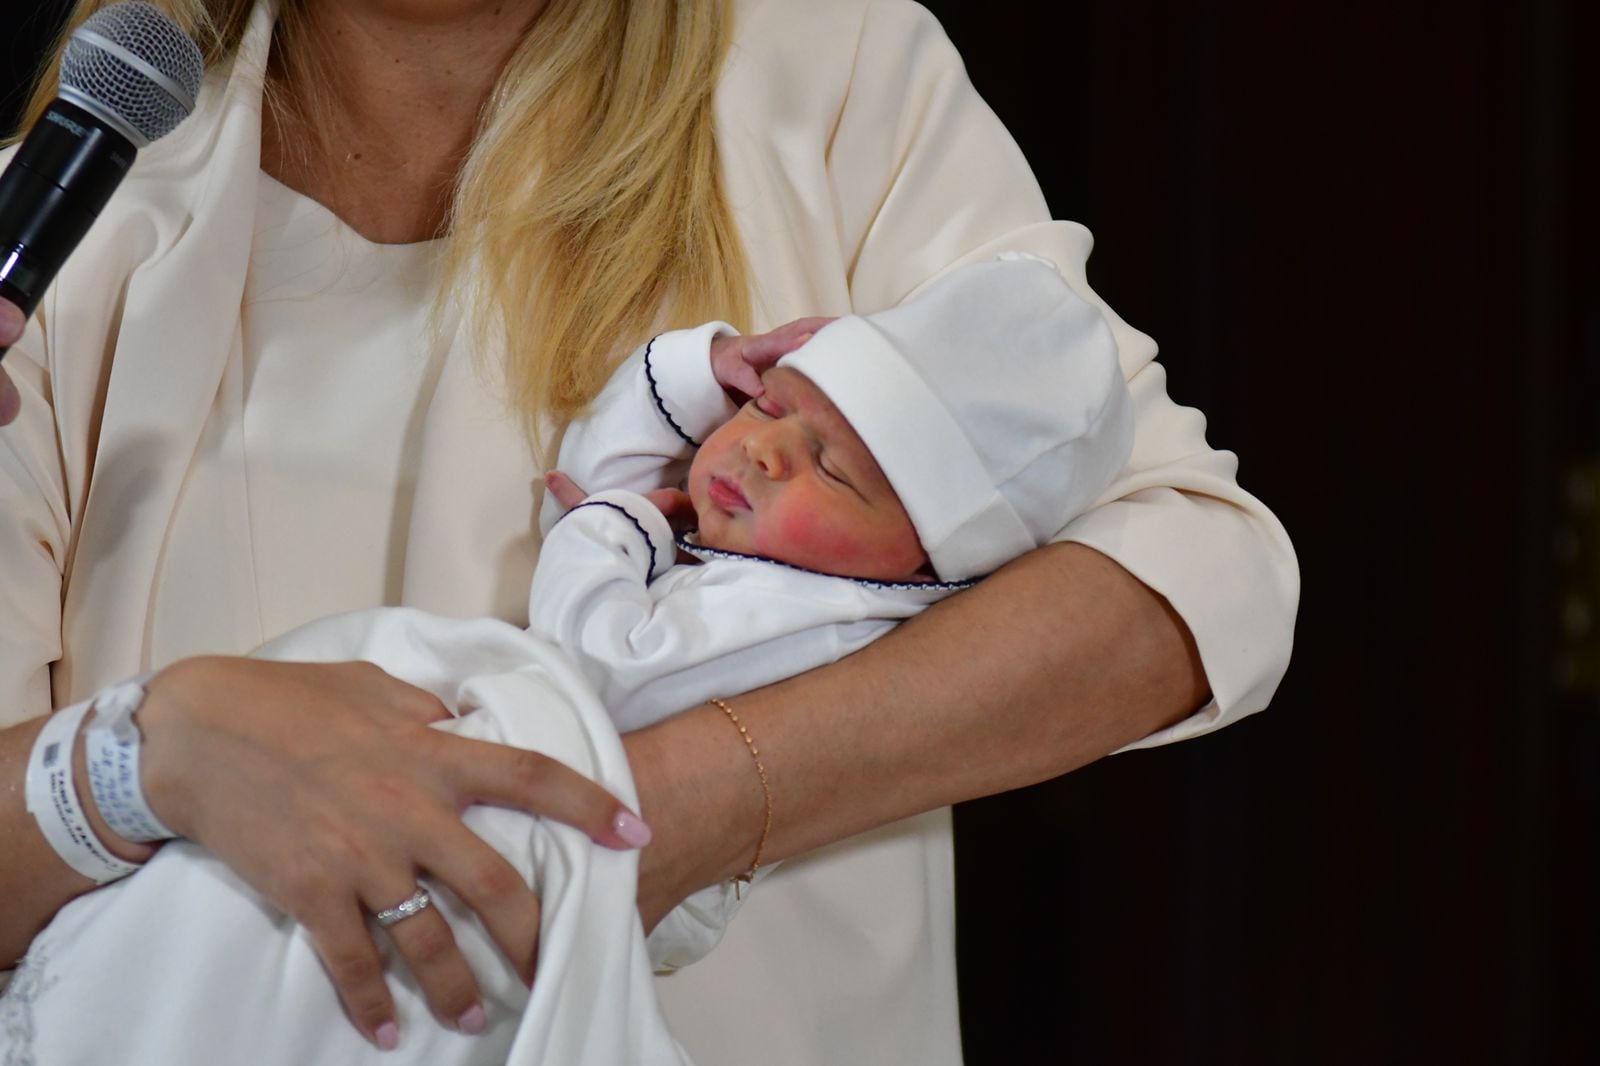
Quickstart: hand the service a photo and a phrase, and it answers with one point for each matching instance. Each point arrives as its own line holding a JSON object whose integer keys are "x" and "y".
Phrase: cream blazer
{"x": 859, "y": 163}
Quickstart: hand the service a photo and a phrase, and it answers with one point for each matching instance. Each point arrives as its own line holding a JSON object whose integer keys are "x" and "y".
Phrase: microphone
{"x": 128, "y": 77}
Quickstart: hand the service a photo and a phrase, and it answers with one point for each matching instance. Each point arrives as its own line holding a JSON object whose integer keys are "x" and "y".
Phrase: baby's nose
{"x": 768, "y": 449}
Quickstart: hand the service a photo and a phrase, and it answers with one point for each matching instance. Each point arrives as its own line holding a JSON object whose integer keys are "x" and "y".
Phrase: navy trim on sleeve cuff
{"x": 648, "y": 543}
{"x": 689, "y": 543}
{"x": 655, "y": 394}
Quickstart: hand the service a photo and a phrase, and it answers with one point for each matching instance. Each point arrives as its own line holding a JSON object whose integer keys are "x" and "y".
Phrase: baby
{"x": 887, "y": 462}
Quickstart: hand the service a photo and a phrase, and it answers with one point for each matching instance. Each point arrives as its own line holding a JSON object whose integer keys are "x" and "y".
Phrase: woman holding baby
{"x": 245, "y": 405}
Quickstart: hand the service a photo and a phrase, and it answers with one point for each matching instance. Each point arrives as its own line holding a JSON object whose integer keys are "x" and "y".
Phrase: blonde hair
{"x": 589, "y": 209}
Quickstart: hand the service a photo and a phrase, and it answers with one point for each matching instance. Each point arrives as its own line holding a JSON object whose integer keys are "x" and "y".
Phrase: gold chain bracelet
{"x": 766, "y": 795}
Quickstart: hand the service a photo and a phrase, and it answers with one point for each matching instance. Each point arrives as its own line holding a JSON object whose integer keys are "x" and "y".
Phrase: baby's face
{"x": 787, "y": 478}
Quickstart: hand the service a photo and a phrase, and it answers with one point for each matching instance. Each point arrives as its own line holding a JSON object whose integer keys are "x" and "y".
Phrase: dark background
{"x": 1365, "y": 235}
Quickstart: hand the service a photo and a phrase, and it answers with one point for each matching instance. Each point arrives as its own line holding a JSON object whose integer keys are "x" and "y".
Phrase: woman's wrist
{"x": 105, "y": 750}
{"x": 122, "y": 848}
{"x": 702, "y": 798}
{"x": 170, "y": 702}
{"x": 162, "y": 704}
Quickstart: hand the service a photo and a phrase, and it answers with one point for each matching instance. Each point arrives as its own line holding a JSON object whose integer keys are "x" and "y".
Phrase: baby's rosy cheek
{"x": 807, "y": 534}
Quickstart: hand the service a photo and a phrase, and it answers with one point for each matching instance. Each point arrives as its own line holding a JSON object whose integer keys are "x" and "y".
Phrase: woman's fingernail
{"x": 11, "y": 323}
{"x": 631, "y": 828}
{"x": 387, "y": 1036}
{"x": 473, "y": 1021}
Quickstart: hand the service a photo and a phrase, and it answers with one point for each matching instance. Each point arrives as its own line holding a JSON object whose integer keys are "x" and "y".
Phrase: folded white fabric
{"x": 184, "y": 965}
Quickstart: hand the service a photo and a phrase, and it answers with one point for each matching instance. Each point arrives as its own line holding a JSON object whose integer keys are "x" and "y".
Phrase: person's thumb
{"x": 10, "y": 402}
{"x": 12, "y": 323}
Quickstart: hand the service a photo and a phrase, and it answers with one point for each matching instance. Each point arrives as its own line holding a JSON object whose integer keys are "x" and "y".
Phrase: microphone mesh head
{"x": 150, "y": 96}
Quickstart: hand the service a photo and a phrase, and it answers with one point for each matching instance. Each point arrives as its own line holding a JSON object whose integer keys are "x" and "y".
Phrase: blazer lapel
{"x": 178, "y": 335}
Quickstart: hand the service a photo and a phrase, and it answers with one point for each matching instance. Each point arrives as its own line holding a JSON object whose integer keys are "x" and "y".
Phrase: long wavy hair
{"x": 590, "y": 208}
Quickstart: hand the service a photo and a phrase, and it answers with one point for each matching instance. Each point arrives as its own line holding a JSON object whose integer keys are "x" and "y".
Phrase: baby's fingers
{"x": 564, "y": 489}
{"x": 675, "y": 506}
{"x": 743, "y": 378}
{"x": 786, "y": 338}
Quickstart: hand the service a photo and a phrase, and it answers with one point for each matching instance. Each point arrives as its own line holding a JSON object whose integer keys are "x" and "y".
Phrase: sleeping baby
{"x": 751, "y": 517}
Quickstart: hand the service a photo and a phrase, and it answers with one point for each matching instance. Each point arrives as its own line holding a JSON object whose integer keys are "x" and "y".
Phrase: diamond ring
{"x": 416, "y": 904}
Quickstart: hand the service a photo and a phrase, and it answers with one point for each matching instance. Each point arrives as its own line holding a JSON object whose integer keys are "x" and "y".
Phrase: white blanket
{"x": 184, "y": 965}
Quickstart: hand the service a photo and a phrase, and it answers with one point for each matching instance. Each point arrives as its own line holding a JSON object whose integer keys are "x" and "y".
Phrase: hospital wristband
{"x": 52, "y": 799}
{"x": 111, "y": 749}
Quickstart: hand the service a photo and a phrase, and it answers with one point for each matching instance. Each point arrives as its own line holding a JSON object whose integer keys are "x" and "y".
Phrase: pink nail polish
{"x": 387, "y": 1036}
{"x": 631, "y": 828}
{"x": 473, "y": 1021}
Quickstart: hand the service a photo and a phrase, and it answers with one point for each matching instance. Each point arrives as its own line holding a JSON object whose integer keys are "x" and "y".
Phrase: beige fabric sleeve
{"x": 953, "y": 187}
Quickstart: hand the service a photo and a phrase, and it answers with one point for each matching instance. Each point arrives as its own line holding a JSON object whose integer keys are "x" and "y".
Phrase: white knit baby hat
{"x": 993, "y": 401}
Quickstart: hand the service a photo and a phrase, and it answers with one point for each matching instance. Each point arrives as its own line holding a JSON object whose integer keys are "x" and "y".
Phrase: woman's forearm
{"x": 1049, "y": 664}
{"x": 34, "y": 882}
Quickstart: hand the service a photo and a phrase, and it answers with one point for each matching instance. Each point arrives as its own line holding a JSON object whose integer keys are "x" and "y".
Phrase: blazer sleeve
{"x": 925, "y": 179}
{"x": 35, "y": 535}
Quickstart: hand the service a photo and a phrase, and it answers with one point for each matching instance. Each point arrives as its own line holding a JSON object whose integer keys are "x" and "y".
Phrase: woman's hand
{"x": 323, "y": 787}
{"x": 11, "y": 326}
{"x": 738, "y": 362}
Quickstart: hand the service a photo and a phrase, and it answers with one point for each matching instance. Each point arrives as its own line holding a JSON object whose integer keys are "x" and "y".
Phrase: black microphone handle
{"x": 58, "y": 182}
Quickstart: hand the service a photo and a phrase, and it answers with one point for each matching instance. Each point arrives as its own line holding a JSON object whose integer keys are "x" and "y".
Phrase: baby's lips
{"x": 726, "y": 495}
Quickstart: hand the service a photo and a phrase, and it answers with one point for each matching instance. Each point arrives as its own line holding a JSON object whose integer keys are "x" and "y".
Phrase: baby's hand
{"x": 674, "y": 504}
{"x": 738, "y": 362}
{"x": 564, "y": 489}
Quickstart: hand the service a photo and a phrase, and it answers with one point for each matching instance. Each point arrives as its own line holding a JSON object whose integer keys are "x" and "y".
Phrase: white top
{"x": 337, "y": 363}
